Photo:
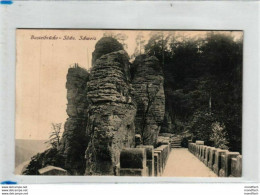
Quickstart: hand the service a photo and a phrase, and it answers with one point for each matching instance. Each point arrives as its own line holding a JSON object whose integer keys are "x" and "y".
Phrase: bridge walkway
{"x": 182, "y": 163}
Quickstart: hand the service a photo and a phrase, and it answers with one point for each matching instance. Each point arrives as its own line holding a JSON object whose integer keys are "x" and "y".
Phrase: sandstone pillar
{"x": 111, "y": 113}
{"x": 149, "y": 95}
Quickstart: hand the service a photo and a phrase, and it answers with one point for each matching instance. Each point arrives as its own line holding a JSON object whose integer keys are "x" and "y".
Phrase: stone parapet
{"x": 225, "y": 170}
{"x": 223, "y": 162}
{"x": 211, "y": 161}
{"x": 156, "y": 165}
{"x": 236, "y": 166}
{"x": 217, "y": 163}
{"x": 206, "y": 157}
{"x": 149, "y": 158}
{"x": 133, "y": 162}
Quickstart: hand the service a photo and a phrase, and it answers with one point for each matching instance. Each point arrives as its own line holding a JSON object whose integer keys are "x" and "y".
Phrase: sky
{"x": 41, "y": 69}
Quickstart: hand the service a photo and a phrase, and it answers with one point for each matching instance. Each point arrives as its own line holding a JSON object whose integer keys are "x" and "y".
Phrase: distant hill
{"x": 25, "y": 149}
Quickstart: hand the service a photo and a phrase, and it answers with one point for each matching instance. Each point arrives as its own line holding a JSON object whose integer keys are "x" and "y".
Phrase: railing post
{"x": 217, "y": 164}
{"x": 149, "y": 158}
{"x": 212, "y": 152}
{"x": 236, "y": 166}
{"x": 133, "y": 162}
{"x": 225, "y": 170}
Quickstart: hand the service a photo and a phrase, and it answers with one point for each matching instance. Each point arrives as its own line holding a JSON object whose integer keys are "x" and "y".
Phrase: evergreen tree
{"x": 219, "y": 136}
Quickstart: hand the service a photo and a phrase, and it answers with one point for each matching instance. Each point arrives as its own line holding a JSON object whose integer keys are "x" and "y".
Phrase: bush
{"x": 41, "y": 160}
{"x": 200, "y": 125}
{"x": 219, "y": 136}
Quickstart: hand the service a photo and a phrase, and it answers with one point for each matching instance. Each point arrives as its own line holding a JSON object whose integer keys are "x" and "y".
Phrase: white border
{"x": 176, "y": 15}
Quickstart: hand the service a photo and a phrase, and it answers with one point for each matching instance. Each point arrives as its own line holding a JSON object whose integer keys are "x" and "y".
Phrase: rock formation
{"x": 105, "y": 111}
{"x": 74, "y": 139}
{"x": 149, "y": 95}
{"x": 104, "y": 46}
{"x": 111, "y": 112}
{"x": 70, "y": 152}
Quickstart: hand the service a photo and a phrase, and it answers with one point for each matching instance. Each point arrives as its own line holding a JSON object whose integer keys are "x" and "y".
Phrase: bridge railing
{"x": 223, "y": 162}
{"x": 143, "y": 160}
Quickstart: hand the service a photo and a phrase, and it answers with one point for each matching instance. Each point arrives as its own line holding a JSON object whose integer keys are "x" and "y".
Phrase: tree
{"x": 219, "y": 136}
{"x": 158, "y": 45}
{"x": 203, "y": 78}
{"x": 200, "y": 126}
{"x": 222, "y": 59}
{"x": 145, "y": 111}
{"x": 121, "y": 37}
{"x": 139, "y": 44}
{"x": 54, "y": 138}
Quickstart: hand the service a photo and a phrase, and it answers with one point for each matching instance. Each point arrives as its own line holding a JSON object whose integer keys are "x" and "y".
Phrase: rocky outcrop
{"x": 111, "y": 112}
{"x": 74, "y": 139}
{"x": 149, "y": 95}
{"x": 69, "y": 154}
{"x": 106, "y": 109}
{"x": 50, "y": 156}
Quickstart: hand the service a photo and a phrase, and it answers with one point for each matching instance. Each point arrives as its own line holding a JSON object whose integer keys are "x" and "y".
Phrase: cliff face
{"x": 74, "y": 139}
{"x": 111, "y": 113}
{"x": 149, "y": 95}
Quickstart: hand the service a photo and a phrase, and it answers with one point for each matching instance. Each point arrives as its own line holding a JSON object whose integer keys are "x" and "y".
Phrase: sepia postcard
{"x": 149, "y": 103}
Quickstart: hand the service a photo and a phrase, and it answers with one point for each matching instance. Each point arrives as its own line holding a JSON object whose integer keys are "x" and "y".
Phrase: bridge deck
{"x": 181, "y": 163}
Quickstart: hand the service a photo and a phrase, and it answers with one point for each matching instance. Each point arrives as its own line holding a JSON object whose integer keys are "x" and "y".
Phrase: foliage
{"x": 54, "y": 138}
{"x": 48, "y": 157}
{"x": 200, "y": 125}
{"x": 158, "y": 45}
{"x": 121, "y": 37}
{"x": 140, "y": 43}
{"x": 219, "y": 136}
{"x": 203, "y": 83}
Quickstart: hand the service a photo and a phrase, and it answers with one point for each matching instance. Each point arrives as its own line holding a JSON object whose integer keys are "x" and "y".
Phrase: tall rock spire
{"x": 111, "y": 112}
{"x": 149, "y": 95}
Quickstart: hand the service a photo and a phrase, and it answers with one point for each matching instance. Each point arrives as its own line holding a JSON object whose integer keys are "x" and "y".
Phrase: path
{"x": 182, "y": 163}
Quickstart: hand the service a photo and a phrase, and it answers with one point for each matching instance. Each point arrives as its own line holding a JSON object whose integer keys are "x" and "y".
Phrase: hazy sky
{"x": 41, "y": 71}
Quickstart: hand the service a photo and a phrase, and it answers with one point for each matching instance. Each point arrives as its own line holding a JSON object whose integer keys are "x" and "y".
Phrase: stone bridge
{"x": 167, "y": 160}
